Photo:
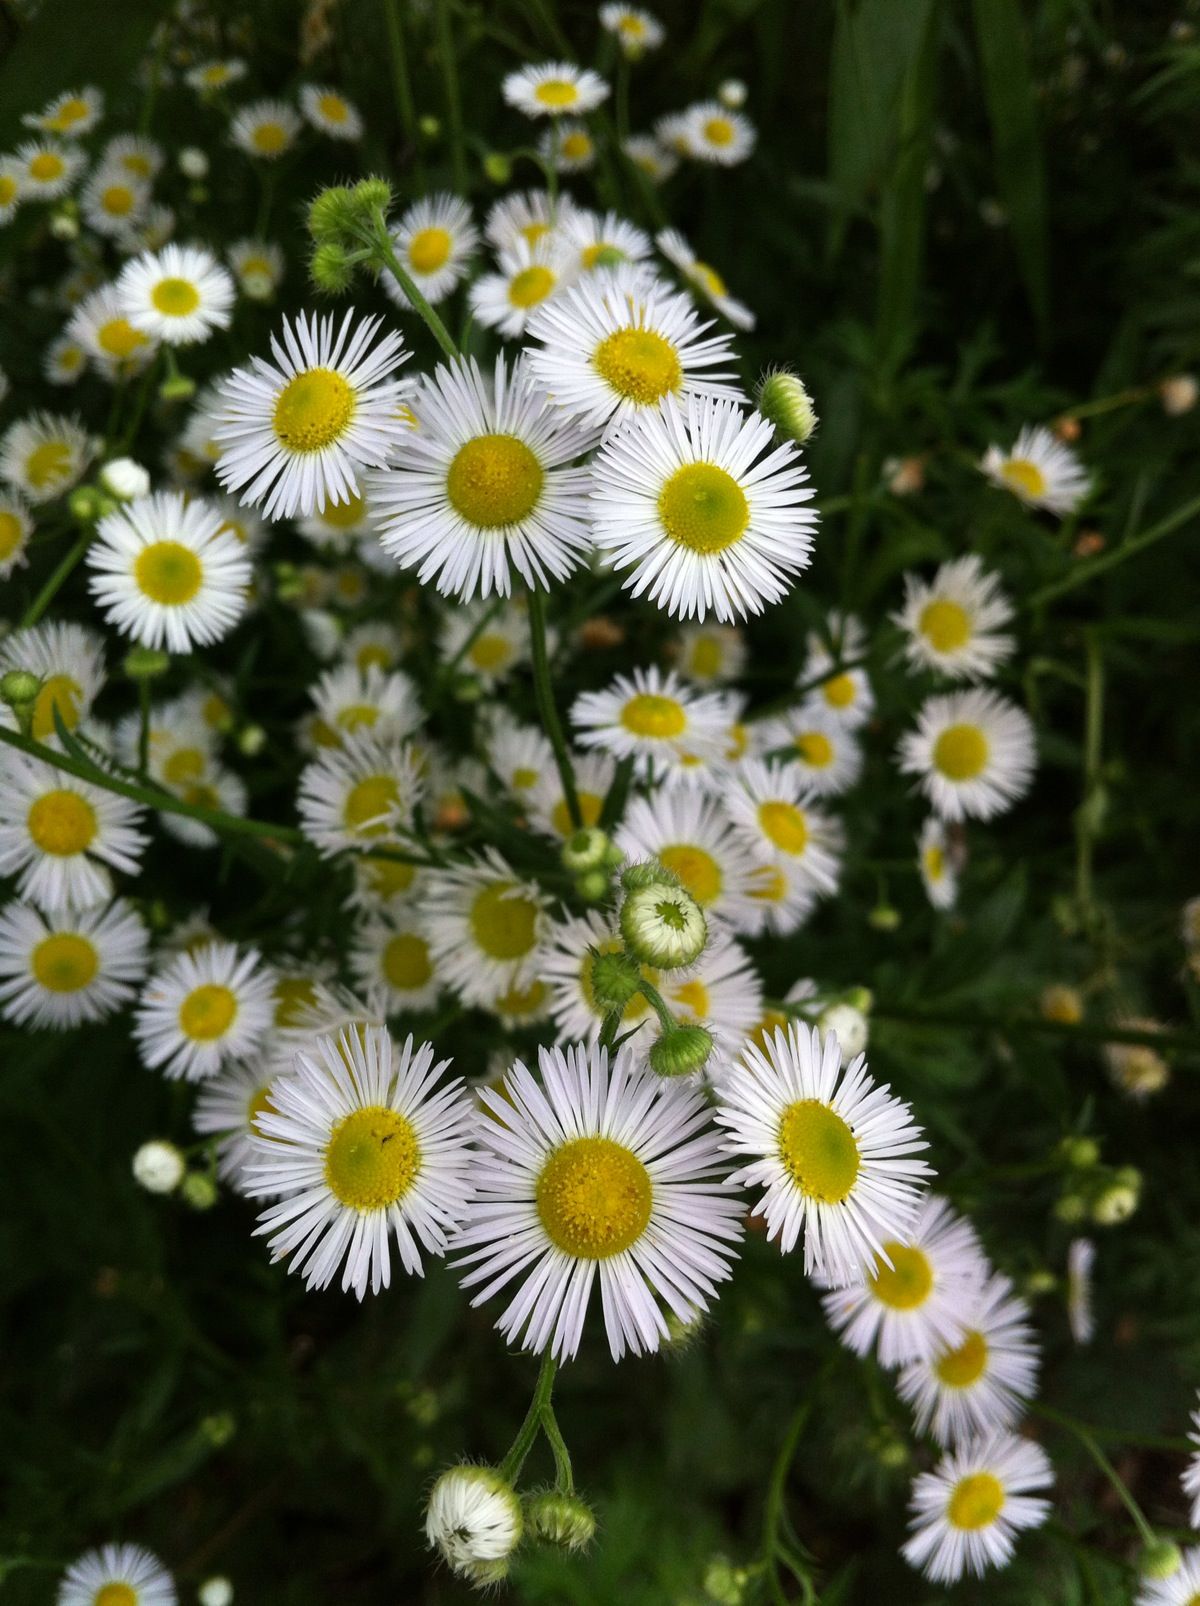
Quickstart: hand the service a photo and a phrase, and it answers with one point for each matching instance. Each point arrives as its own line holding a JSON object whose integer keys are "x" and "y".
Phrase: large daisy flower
{"x": 973, "y": 752}
{"x": 966, "y": 1513}
{"x": 62, "y": 970}
{"x": 178, "y": 295}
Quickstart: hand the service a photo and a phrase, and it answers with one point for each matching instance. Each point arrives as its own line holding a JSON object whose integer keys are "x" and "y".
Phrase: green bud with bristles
{"x": 84, "y": 504}
{"x": 331, "y": 269}
{"x": 585, "y": 849}
{"x": 559, "y": 1519}
{"x": 19, "y": 688}
{"x": 430, "y": 127}
{"x": 592, "y": 886}
{"x": 681, "y": 1051}
{"x": 331, "y": 215}
{"x": 615, "y": 979}
{"x": 784, "y": 402}
{"x": 1162, "y": 1559}
{"x": 371, "y": 195}
{"x": 647, "y": 873}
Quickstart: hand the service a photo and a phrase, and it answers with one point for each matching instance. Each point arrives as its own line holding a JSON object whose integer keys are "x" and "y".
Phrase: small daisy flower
{"x": 112, "y": 201}
{"x": 329, "y": 112}
{"x": 379, "y": 702}
{"x": 258, "y": 267}
{"x": 714, "y": 133}
{"x": 548, "y": 807}
{"x": 1136, "y": 1068}
{"x": 202, "y": 1009}
{"x": 375, "y": 644}
{"x": 178, "y": 295}
{"x": 42, "y": 456}
{"x": 981, "y": 1379}
{"x": 520, "y": 756}
{"x": 115, "y": 348}
{"x": 974, "y": 753}
{"x": 390, "y": 961}
{"x": 914, "y": 1300}
{"x": 134, "y": 154}
{"x": 554, "y": 89}
{"x": 485, "y": 927}
{"x": 653, "y": 717}
{"x": 603, "y": 1172}
{"x": 209, "y": 76}
{"x": 485, "y": 486}
{"x": 636, "y": 31}
{"x": 703, "y": 278}
{"x": 60, "y": 837}
{"x": 833, "y": 1149}
{"x": 151, "y": 230}
{"x": 527, "y": 276}
{"x": 64, "y": 362}
{"x": 616, "y": 346}
{"x": 484, "y": 640}
{"x": 703, "y": 510}
{"x": 59, "y": 971}
{"x": 69, "y": 659}
{"x": 939, "y": 859}
{"x": 771, "y": 811}
{"x": 435, "y": 240}
{"x": 72, "y": 114}
{"x": 567, "y": 963}
{"x": 46, "y": 169}
{"x": 227, "y": 1107}
{"x": 966, "y": 1513}
{"x": 815, "y": 742}
{"x": 710, "y": 654}
{"x": 337, "y": 526}
{"x": 953, "y": 622}
{"x": 295, "y": 432}
{"x": 10, "y": 188}
{"x": 266, "y": 129}
{"x": 359, "y": 796}
{"x": 692, "y": 837}
{"x": 604, "y": 243}
{"x": 165, "y": 574}
{"x": 782, "y": 899}
{"x": 364, "y": 1147}
{"x": 844, "y": 692}
{"x": 526, "y": 218}
{"x": 116, "y": 1575}
{"x": 1040, "y": 471}
{"x": 16, "y": 526}
{"x": 567, "y": 146}
{"x": 656, "y": 161}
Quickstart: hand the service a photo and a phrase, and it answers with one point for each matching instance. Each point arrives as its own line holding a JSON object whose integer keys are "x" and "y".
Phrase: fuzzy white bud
{"x": 193, "y": 163}
{"x": 124, "y": 479}
{"x": 158, "y": 1166}
{"x": 474, "y": 1520}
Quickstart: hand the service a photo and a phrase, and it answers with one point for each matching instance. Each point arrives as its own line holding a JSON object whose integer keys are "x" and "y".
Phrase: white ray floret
{"x": 771, "y": 808}
{"x": 114, "y": 347}
{"x": 653, "y": 717}
{"x": 974, "y": 754}
{"x": 703, "y": 278}
{"x": 227, "y": 1108}
{"x": 43, "y": 455}
{"x": 953, "y": 622}
{"x": 16, "y": 526}
{"x": 329, "y": 112}
{"x": 61, "y": 970}
{"x": 692, "y": 835}
{"x": 116, "y": 1575}
{"x": 554, "y": 89}
{"x": 966, "y": 1514}
{"x": 361, "y": 795}
{"x": 435, "y": 240}
{"x": 202, "y": 1009}
{"x": 485, "y": 927}
{"x": 178, "y": 295}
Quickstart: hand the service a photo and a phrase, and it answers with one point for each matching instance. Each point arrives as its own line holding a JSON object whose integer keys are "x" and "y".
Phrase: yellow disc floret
{"x": 429, "y": 249}
{"x": 62, "y": 823}
{"x": 64, "y": 962}
{"x": 646, "y": 714}
{"x": 208, "y": 1012}
{"x": 373, "y": 1158}
{"x": 168, "y": 572}
{"x": 703, "y": 508}
{"x": 977, "y": 1500}
{"x": 175, "y": 298}
{"x": 640, "y": 365}
{"x": 503, "y": 921}
{"x": 961, "y": 752}
{"x": 819, "y": 1151}
{"x": 594, "y": 1198}
{"x": 945, "y": 625}
{"x": 907, "y": 1282}
{"x": 494, "y": 481}
{"x": 785, "y": 825}
{"x": 313, "y": 410}
{"x": 696, "y": 868}
{"x": 959, "y": 1368}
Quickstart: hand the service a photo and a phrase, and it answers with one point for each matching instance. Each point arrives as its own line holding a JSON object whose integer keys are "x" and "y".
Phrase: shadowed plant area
{"x": 599, "y": 922}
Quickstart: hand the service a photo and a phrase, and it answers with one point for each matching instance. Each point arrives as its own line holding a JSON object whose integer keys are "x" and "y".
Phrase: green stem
{"x": 449, "y": 63}
{"x": 1085, "y": 1437}
{"x": 380, "y": 243}
{"x": 143, "y": 727}
{"x": 1108, "y": 404}
{"x": 1086, "y": 825}
{"x": 773, "y": 1509}
{"x": 564, "y": 1477}
{"x": 510, "y": 1467}
{"x": 655, "y": 999}
{"x": 622, "y": 107}
{"x": 50, "y": 590}
{"x": 544, "y": 694}
{"x": 484, "y": 621}
{"x": 1109, "y": 560}
{"x": 405, "y": 104}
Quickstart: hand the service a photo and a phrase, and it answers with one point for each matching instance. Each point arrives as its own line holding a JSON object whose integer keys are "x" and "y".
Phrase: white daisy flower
{"x": 1136, "y": 1068}
{"x": 844, "y": 692}
{"x": 69, "y": 659}
{"x": 297, "y": 431}
{"x": 46, "y": 168}
{"x": 227, "y": 1108}
{"x": 1081, "y": 1258}
{"x": 967, "y": 1512}
{"x": 178, "y": 295}
{"x": 60, "y": 837}
{"x": 771, "y": 810}
{"x": 265, "y": 129}
{"x": 917, "y": 1293}
{"x": 361, "y": 795}
{"x": 10, "y": 196}
{"x": 939, "y": 859}
{"x": 567, "y": 961}
{"x": 636, "y": 31}
{"x": 656, "y": 161}
{"x": 548, "y": 807}
{"x": 258, "y": 266}
{"x": 616, "y": 346}
{"x": 208, "y": 76}
{"x": 952, "y": 622}
{"x": 833, "y": 1150}
{"x": 527, "y": 276}
{"x": 485, "y": 640}
{"x": 974, "y": 751}
{"x": 16, "y": 526}
{"x": 1180, "y": 1589}
{"x": 527, "y": 217}
{"x": 364, "y": 1146}
{"x": 1191, "y": 1474}
{"x": 703, "y": 510}
{"x": 346, "y": 701}
{"x": 166, "y": 575}
{"x": 64, "y": 361}
{"x": 116, "y": 1575}
{"x": 981, "y": 1379}
{"x": 374, "y": 644}
{"x": 116, "y": 349}
{"x": 653, "y": 717}
{"x": 703, "y": 278}
{"x": 485, "y": 927}
{"x": 553, "y": 89}
{"x": 567, "y": 146}
{"x": 604, "y": 243}
{"x": 59, "y": 971}
{"x": 601, "y": 1172}
{"x": 152, "y": 230}
{"x": 485, "y": 486}
{"x": 474, "y": 1521}
{"x": 714, "y": 133}
{"x": 1040, "y": 471}
{"x": 435, "y": 240}
{"x": 391, "y": 962}
{"x": 43, "y": 455}
{"x": 330, "y": 112}
{"x": 691, "y": 835}
{"x": 134, "y": 154}
{"x": 337, "y": 527}
{"x": 322, "y": 1009}
{"x": 201, "y": 1009}
{"x": 72, "y": 114}
{"x": 710, "y": 654}
{"x": 782, "y": 899}
{"x": 520, "y": 756}
{"x": 113, "y": 200}
{"x": 812, "y": 740}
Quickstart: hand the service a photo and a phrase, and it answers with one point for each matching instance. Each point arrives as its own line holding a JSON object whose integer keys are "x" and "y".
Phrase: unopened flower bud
{"x": 848, "y": 1025}
{"x": 219, "y": 1428}
{"x": 84, "y": 504}
{"x": 146, "y": 663}
{"x": 585, "y": 849}
{"x": 1161, "y": 1559}
{"x": 177, "y": 387}
{"x": 732, "y": 94}
{"x": 124, "y": 479}
{"x": 199, "y": 1190}
{"x": 19, "y": 689}
{"x": 883, "y": 917}
{"x": 1062, "y": 1004}
{"x": 193, "y": 163}
{"x": 158, "y": 1166}
{"x": 681, "y": 1051}
{"x": 1179, "y": 394}
{"x": 615, "y": 978}
{"x": 331, "y": 215}
{"x": 1081, "y": 1153}
{"x": 784, "y": 402}
{"x": 497, "y": 168}
{"x": 430, "y": 127}
{"x": 593, "y": 886}
{"x": 560, "y": 1519}
{"x": 372, "y": 194}
{"x": 1071, "y": 1208}
{"x": 330, "y": 268}
{"x": 215, "y": 1592}
{"x": 647, "y": 873}
{"x": 251, "y": 740}
{"x": 474, "y": 1520}
{"x": 663, "y": 926}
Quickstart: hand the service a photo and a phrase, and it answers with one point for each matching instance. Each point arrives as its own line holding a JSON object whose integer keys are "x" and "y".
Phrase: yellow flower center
{"x": 369, "y": 805}
{"x": 785, "y": 825}
{"x": 59, "y": 692}
{"x": 523, "y": 779}
{"x": 719, "y": 131}
{"x": 405, "y": 962}
{"x": 8, "y": 189}
{"x": 945, "y": 625}
{"x": 521, "y": 1001}
{"x": 594, "y": 1198}
{"x": 168, "y": 573}
{"x": 343, "y": 515}
{"x": 959, "y": 1368}
{"x": 692, "y": 995}
{"x": 530, "y": 286}
{"x": 258, "y": 1104}
{"x": 293, "y": 995}
{"x": 372, "y": 655}
{"x": 208, "y": 1012}
{"x": 696, "y": 868}
{"x": 119, "y": 338}
{"x": 709, "y": 279}
{"x": 593, "y": 255}
{"x": 703, "y": 508}
{"x": 639, "y": 365}
{"x": 647, "y": 715}
{"x": 590, "y": 805}
{"x": 576, "y": 146}
{"x": 269, "y": 139}
{"x": 11, "y": 531}
{"x": 62, "y": 823}
{"x": 839, "y": 691}
{"x": 429, "y": 250}
{"x": 175, "y": 298}
{"x": 818, "y": 1150}
{"x": 215, "y": 74}
{"x": 313, "y": 410}
{"x": 770, "y": 885}
{"x": 556, "y": 92}
{"x": 533, "y": 232}
{"x": 1024, "y": 477}
{"x": 116, "y": 1595}
{"x": 136, "y": 164}
{"x": 388, "y": 878}
{"x": 333, "y": 107}
{"x": 771, "y": 1022}
{"x": 907, "y": 1282}
{"x": 503, "y": 921}
{"x": 706, "y": 657}
{"x": 961, "y": 752}
{"x": 491, "y": 652}
{"x": 815, "y": 749}
{"x": 117, "y": 200}
{"x": 68, "y": 114}
{"x": 373, "y": 1158}
{"x": 46, "y": 166}
{"x": 184, "y": 764}
{"x": 976, "y": 1502}
{"x": 935, "y": 863}
{"x": 65, "y": 962}
{"x": 494, "y": 481}
{"x": 47, "y": 463}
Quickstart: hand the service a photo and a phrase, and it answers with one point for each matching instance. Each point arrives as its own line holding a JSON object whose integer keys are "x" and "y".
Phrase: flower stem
{"x": 50, "y": 590}
{"x": 400, "y": 79}
{"x": 1085, "y": 1437}
{"x": 1082, "y": 1031}
{"x": 1086, "y": 821}
{"x": 510, "y": 1467}
{"x": 1109, "y": 560}
{"x": 449, "y": 62}
{"x": 380, "y": 244}
{"x": 564, "y": 1477}
{"x": 546, "y": 709}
